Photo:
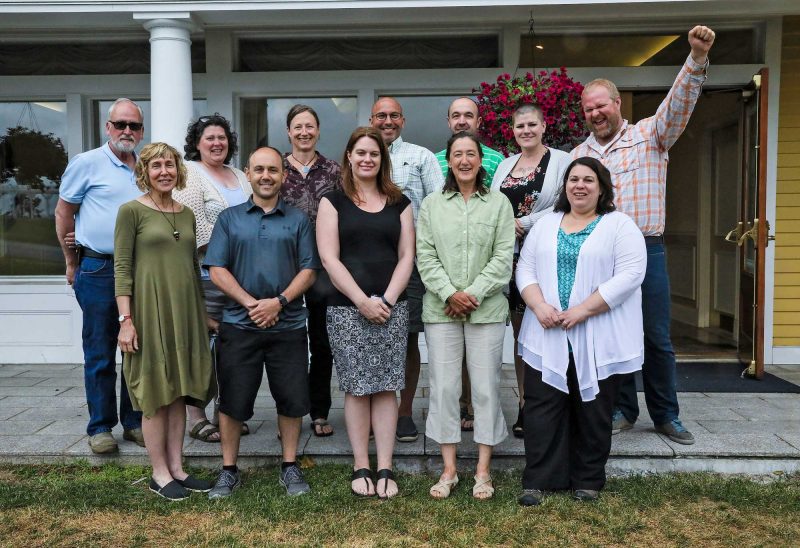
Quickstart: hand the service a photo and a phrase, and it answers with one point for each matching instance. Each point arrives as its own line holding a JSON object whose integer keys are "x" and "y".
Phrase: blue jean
{"x": 94, "y": 289}
{"x": 658, "y": 370}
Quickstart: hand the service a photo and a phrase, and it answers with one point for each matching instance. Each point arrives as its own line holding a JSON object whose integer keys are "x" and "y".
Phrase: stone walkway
{"x": 43, "y": 418}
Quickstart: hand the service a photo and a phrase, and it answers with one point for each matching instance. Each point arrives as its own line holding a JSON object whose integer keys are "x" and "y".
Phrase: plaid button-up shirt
{"x": 416, "y": 171}
{"x": 637, "y": 156}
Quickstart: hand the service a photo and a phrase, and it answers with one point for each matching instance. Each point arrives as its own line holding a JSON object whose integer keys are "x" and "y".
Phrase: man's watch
{"x": 282, "y": 299}
{"x": 124, "y": 317}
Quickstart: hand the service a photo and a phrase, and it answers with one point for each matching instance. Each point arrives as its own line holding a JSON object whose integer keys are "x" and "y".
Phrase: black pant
{"x": 321, "y": 365}
{"x": 567, "y": 440}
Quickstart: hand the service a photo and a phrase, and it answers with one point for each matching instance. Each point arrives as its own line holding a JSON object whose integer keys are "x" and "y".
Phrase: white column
{"x": 170, "y": 76}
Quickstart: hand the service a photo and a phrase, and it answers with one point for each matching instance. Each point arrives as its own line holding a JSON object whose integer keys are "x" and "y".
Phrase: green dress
{"x": 162, "y": 277}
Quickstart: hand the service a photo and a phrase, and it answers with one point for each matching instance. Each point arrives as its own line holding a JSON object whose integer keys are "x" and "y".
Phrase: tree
{"x": 29, "y": 155}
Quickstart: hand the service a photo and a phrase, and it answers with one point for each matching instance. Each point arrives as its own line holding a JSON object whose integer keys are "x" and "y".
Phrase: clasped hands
{"x": 373, "y": 309}
{"x": 460, "y": 304}
{"x": 264, "y": 312}
{"x": 549, "y": 317}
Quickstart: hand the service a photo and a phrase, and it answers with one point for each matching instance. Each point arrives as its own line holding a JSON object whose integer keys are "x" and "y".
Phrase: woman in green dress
{"x": 163, "y": 334}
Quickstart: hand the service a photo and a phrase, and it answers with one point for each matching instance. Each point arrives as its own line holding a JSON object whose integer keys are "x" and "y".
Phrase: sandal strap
{"x": 385, "y": 473}
{"x": 365, "y": 473}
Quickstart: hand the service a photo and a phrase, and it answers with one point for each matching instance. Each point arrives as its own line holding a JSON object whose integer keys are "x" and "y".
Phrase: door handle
{"x": 734, "y": 235}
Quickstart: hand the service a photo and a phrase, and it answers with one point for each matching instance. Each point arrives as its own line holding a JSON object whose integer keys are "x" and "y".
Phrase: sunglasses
{"x": 121, "y": 125}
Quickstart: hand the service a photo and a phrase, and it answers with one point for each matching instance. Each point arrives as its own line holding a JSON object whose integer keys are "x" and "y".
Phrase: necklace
{"x": 173, "y": 224}
{"x": 306, "y": 166}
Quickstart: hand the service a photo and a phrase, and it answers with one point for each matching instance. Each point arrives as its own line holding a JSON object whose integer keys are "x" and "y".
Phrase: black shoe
{"x": 173, "y": 491}
{"x": 519, "y": 427}
{"x": 195, "y": 484}
{"x": 226, "y": 483}
{"x": 531, "y": 497}
{"x": 406, "y": 430}
{"x": 365, "y": 474}
{"x": 586, "y": 495}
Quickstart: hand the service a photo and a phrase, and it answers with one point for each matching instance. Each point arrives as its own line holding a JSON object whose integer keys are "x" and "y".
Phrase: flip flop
{"x": 365, "y": 474}
{"x": 321, "y": 423}
{"x": 202, "y": 430}
{"x": 384, "y": 474}
{"x": 444, "y": 486}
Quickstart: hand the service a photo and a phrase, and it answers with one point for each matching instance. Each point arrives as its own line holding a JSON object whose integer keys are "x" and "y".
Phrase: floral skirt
{"x": 369, "y": 358}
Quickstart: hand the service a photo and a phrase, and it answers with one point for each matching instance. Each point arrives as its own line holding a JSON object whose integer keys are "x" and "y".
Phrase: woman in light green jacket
{"x": 465, "y": 243}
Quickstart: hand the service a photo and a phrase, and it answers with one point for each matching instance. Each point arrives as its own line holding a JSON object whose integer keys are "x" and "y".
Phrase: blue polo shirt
{"x": 99, "y": 182}
{"x": 264, "y": 252}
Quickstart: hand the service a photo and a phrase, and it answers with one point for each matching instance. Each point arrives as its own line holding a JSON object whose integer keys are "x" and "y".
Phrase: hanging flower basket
{"x": 558, "y": 95}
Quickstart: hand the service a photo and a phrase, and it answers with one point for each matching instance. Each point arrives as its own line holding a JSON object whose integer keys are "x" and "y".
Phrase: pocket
{"x": 93, "y": 267}
{"x": 482, "y": 234}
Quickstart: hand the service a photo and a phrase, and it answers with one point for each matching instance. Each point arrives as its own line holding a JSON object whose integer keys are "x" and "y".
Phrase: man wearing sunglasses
{"x": 93, "y": 187}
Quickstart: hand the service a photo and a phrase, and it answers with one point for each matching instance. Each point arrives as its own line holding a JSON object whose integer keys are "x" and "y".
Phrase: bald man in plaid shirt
{"x": 637, "y": 156}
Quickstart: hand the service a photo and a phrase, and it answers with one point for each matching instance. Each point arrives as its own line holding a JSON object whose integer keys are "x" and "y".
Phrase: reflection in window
{"x": 32, "y": 158}
{"x": 426, "y": 120}
{"x": 101, "y": 116}
{"x": 264, "y": 121}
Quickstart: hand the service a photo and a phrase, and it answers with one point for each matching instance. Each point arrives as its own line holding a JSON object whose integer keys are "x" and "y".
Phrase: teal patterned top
{"x": 567, "y": 249}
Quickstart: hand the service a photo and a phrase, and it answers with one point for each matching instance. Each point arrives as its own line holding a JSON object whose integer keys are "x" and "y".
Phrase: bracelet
{"x": 384, "y": 301}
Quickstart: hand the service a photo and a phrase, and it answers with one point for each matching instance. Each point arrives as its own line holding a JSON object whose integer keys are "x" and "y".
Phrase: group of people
{"x": 203, "y": 275}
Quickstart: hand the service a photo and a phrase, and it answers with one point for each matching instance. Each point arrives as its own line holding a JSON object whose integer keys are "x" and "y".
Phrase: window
{"x": 32, "y": 158}
{"x": 101, "y": 116}
{"x": 426, "y": 120}
{"x": 264, "y": 122}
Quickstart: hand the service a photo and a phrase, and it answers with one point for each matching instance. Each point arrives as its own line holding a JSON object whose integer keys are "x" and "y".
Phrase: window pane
{"x": 634, "y": 50}
{"x": 426, "y": 120}
{"x": 32, "y": 158}
{"x": 101, "y": 115}
{"x": 264, "y": 121}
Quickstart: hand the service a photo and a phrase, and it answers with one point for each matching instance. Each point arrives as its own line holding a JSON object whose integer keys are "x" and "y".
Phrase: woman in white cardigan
{"x": 212, "y": 186}
{"x": 531, "y": 181}
{"x": 579, "y": 273}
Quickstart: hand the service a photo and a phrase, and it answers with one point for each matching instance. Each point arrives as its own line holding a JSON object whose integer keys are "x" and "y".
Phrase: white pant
{"x": 484, "y": 345}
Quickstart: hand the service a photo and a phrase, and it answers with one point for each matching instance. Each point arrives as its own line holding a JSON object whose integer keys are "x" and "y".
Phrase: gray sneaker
{"x": 619, "y": 422}
{"x": 226, "y": 483}
{"x": 675, "y": 431}
{"x": 294, "y": 482}
{"x": 103, "y": 443}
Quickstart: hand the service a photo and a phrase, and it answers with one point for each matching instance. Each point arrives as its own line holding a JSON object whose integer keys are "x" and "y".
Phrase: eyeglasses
{"x": 382, "y": 116}
{"x": 120, "y": 125}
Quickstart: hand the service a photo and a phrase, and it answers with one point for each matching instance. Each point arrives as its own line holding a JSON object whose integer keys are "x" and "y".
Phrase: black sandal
{"x": 386, "y": 475}
{"x": 366, "y": 474}
{"x": 519, "y": 427}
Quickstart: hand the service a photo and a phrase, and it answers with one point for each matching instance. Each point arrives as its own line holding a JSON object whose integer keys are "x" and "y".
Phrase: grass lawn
{"x": 90, "y": 506}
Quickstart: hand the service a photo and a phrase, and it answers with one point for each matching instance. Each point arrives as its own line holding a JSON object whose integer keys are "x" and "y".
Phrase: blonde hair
{"x": 613, "y": 92}
{"x": 151, "y": 152}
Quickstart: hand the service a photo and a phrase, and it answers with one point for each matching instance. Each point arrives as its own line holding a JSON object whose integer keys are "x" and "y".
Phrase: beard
{"x": 123, "y": 146}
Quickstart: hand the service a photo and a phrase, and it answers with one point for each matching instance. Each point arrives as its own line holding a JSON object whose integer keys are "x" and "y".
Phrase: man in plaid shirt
{"x": 637, "y": 156}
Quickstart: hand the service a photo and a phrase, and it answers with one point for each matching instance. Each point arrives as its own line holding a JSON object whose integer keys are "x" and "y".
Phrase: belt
{"x": 86, "y": 252}
{"x": 650, "y": 240}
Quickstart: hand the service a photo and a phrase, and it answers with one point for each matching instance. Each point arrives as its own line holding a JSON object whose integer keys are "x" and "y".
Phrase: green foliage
{"x": 30, "y": 155}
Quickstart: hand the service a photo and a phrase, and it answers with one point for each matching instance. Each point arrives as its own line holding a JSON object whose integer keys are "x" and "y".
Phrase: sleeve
{"x": 630, "y": 264}
{"x": 75, "y": 180}
{"x": 124, "y": 244}
{"x": 526, "y": 264}
{"x": 307, "y": 256}
{"x": 430, "y": 267}
{"x": 430, "y": 173}
{"x": 192, "y": 197}
{"x": 497, "y": 272}
{"x": 218, "y": 252}
{"x": 675, "y": 110}
{"x": 336, "y": 175}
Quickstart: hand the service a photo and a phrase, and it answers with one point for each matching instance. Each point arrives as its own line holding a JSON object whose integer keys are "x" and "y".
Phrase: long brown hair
{"x": 384, "y": 178}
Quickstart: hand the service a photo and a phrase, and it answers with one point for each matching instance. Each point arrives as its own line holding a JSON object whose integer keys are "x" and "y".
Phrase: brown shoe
{"x": 135, "y": 435}
{"x": 103, "y": 443}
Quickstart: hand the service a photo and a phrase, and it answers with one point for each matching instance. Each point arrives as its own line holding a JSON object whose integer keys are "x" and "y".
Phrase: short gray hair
{"x": 124, "y": 100}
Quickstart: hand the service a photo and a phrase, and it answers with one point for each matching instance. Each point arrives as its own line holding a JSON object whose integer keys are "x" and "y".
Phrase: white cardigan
{"x": 553, "y": 180}
{"x": 613, "y": 261}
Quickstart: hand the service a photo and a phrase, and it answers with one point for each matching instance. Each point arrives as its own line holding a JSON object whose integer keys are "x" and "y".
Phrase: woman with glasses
{"x": 309, "y": 176}
{"x": 212, "y": 185}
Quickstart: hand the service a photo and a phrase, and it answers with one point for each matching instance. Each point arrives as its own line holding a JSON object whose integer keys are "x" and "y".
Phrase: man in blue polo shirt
{"x": 93, "y": 187}
{"x": 262, "y": 255}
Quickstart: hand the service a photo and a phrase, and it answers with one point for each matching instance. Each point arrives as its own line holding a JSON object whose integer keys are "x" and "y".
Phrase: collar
{"x": 396, "y": 143}
{"x": 592, "y": 142}
{"x": 280, "y": 207}
{"x": 449, "y": 194}
{"x": 114, "y": 158}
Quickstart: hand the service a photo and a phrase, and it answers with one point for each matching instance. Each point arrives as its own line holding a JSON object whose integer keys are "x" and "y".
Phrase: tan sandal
{"x": 443, "y": 488}
{"x": 483, "y": 489}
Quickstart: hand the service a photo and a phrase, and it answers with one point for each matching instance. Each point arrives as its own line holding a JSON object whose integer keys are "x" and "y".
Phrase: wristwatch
{"x": 124, "y": 317}
{"x": 282, "y": 300}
